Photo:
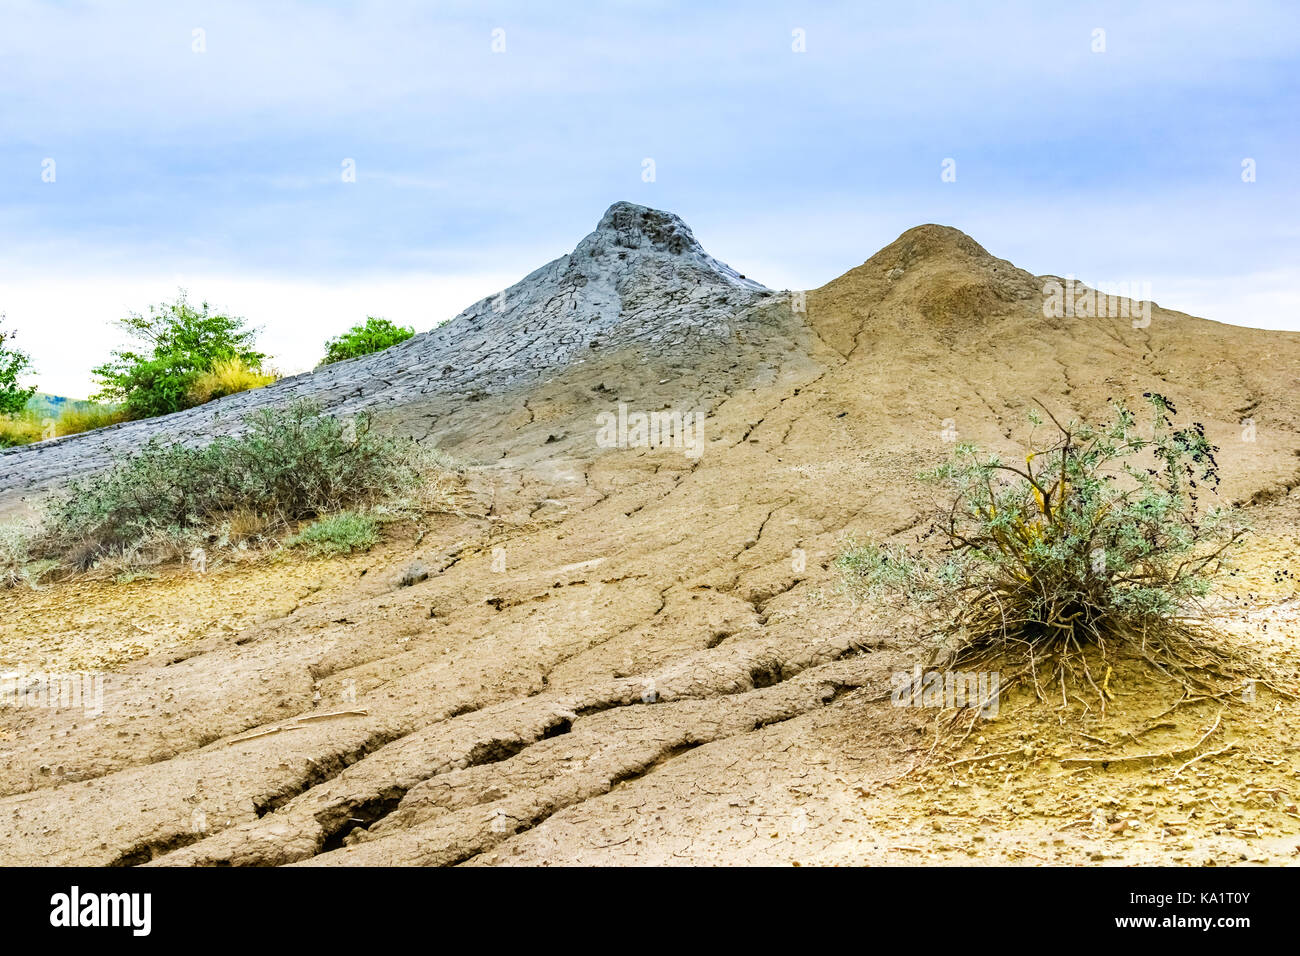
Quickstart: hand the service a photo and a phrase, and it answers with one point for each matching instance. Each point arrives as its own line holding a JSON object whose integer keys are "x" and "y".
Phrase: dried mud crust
{"x": 1158, "y": 779}
{"x": 664, "y": 672}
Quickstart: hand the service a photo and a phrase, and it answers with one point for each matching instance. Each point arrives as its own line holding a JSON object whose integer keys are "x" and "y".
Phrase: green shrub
{"x": 341, "y": 533}
{"x": 374, "y": 336}
{"x": 1099, "y": 536}
{"x": 13, "y": 363}
{"x": 288, "y": 465}
{"x": 176, "y": 344}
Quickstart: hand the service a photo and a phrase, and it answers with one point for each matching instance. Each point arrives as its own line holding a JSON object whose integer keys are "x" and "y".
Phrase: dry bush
{"x": 1101, "y": 540}
{"x": 287, "y": 466}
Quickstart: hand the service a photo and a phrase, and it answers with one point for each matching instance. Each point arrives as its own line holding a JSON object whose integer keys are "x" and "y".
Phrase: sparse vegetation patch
{"x": 342, "y": 533}
{"x": 374, "y": 335}
{"x": 1105, "y": 536}
{"x": 287, "y": 466}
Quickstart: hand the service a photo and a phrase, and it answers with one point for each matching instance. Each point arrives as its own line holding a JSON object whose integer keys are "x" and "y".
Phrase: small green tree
{"x": 13, "y": 363}
{"x": 175, "y": 344}
{"x": 373, "y": 336}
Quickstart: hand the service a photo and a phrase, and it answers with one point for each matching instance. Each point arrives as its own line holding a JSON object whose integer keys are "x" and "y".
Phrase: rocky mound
{"x": 639, "y": 281}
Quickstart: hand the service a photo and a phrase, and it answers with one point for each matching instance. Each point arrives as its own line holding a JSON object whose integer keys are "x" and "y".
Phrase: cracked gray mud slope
{"x": 640, "y": 280}
{"x": 663, "y": 671}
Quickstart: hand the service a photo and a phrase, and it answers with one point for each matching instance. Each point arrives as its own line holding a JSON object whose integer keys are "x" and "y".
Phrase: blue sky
{"x": 221, "y": 170}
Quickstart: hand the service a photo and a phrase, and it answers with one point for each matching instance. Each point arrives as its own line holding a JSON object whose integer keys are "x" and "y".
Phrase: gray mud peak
{"x": 639, "y": 280}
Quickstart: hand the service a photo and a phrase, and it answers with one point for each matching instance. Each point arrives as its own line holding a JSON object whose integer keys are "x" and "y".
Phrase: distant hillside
{"x": 66, "y": 416}
{"x": 50, "y": 406}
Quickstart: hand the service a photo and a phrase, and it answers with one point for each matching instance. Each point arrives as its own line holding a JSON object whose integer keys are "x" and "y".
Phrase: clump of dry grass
{"x": 27, "y": 427}
{"x": 20, "y": 429}
{"x": 227, "y": 377}
{"x": 87, "y": 417}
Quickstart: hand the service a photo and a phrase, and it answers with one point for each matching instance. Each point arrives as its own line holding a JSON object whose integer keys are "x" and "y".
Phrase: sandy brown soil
{"x": 664, "y": 671}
